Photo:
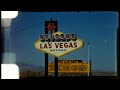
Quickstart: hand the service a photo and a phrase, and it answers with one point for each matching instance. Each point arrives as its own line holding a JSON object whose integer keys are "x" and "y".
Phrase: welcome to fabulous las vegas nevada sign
{"x": 58, "y": 44}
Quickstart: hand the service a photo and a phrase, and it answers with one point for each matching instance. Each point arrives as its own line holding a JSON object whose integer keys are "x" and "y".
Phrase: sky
{"x": 97, "y": 28}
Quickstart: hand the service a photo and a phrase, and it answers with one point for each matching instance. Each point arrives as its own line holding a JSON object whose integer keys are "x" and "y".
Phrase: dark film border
{"x": 71, "y": 6}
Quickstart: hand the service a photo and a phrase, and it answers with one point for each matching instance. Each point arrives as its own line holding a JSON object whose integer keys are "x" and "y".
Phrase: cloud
{"x": 5, "y": 23}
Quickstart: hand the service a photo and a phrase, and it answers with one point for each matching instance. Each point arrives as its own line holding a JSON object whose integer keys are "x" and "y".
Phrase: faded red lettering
{"x": 70, "y": 45}
{"x": 75, "y": 44}
{"x": 45, "y": 46}
{"x": 56, "y": 45}
{"x": 50, "y": 45}
{"x": 61, "y": 45}
{"x": 41, "y": 46}
{"x": 65, "y": 45}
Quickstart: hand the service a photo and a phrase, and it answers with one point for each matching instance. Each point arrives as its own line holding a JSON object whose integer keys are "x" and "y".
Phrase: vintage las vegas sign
{"x": 59, "y": 44}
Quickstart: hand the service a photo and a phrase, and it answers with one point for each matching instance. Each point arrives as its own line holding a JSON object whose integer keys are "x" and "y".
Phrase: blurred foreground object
{"x": 9, "y": 14}
{"x": 6, "y": 18}
{"x": 9, "y": 71}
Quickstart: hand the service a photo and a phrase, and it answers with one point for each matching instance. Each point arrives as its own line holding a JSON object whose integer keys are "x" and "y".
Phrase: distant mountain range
{"x": 29, "y": 67}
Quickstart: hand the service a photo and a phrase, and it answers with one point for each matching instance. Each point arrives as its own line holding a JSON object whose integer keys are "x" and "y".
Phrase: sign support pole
{"x": 56, "y": 67}
{"x": 46, "y": 59}
{"x": 90, "y": 68}
{"x": 56, "y": 59}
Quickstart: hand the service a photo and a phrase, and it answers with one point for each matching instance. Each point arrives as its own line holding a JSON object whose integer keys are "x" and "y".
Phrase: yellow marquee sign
{"x": 58, "y": 48}
{"x": 69, "y": 67}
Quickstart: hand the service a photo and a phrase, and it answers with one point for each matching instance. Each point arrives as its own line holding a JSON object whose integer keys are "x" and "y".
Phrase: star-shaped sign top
{"x": 51, "y": 26}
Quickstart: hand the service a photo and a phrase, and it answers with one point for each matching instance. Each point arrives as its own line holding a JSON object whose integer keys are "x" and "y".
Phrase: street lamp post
{"x": 88, "y": 58}
{"x": 116, "y": 48}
